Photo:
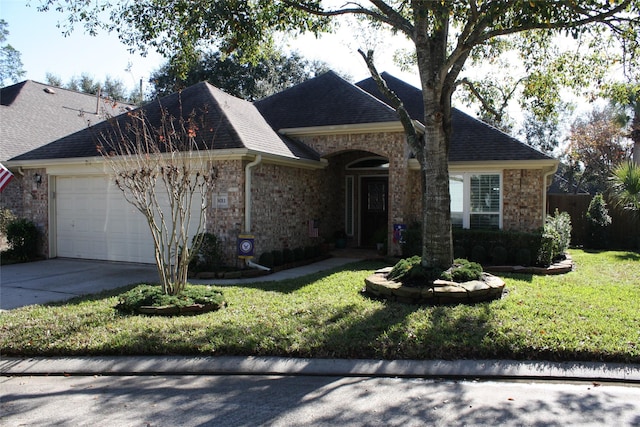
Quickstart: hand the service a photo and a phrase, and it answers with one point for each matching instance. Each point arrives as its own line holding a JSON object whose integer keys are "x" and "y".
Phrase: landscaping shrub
{"x": 463, "y": 271}
{"x": 298, "y": 254}
{"x": 479, "y": 254}
{"x": 287, "y": 256}
{"x": 402, "y": 268}
{"x": 266, "y": 259}
{"x": 209, "y": 255}
{"x": 152, "y": 296}
{"x": 598, "y": 220}
{"x": 22, "y": 237}
{"x": 499, "y": 255}
{"x": 523, "y": 257}
{"x": 459, "y": 252}
{"x": 278, "y": 257}
{"x": 410, "y": 271}
{"x": 6, "y": 216}
{"x": 308, "y": 252}
{"x": 470, "y": 243}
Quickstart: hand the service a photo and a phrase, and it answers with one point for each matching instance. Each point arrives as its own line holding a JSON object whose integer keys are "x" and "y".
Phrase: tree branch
{"x": 412, "y": 133}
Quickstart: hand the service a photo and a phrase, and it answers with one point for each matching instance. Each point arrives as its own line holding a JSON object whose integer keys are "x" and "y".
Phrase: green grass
{"x": 592, "y": 313}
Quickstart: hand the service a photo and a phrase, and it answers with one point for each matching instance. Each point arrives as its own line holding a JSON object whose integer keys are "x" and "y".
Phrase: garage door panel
{"x": 94, "y": 221}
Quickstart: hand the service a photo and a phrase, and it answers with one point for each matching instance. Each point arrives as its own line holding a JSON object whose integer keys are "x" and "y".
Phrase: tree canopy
{"x": 10, "y": 60}
{"x": 271, "y": 73}
{"x": 445, "y": 34}
{"x": 112, "y": 88}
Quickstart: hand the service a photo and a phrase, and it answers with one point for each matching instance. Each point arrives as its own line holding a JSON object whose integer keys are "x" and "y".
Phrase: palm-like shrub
{"x": 625, "y": 187}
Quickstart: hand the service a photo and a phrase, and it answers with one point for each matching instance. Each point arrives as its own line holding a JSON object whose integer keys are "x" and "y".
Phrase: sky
{"x": 44, "y": 50}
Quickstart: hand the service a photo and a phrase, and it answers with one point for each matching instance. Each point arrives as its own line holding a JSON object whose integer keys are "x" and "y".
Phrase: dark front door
{"x": 374, "y": 208}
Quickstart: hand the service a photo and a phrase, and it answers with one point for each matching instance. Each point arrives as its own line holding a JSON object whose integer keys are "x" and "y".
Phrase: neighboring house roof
{"x": 471, "y": 139}
{"x": 33, "y": 114}
{"x": 230, "y": 123}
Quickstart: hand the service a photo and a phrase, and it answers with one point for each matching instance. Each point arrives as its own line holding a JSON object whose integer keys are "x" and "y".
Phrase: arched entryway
{"x": 363, "y": 209}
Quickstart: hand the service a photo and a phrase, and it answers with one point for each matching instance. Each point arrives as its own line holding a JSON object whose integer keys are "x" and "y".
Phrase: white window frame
{"x": 466, "y": 197}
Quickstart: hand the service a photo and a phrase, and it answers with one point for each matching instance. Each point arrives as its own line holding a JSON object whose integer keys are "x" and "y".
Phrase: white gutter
{"x": 247, "y": 192}
{"x": 247, "y": 206}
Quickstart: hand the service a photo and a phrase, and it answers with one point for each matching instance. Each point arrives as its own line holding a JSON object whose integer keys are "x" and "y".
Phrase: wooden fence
{"x": 624, "y": 231}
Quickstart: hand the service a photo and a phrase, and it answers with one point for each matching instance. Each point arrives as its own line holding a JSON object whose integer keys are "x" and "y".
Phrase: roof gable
{"x": 326, "y": 100}
{"x": 471, "y": 139}
{"x": 33, "y": 114}
{"x": 228, "y": 123}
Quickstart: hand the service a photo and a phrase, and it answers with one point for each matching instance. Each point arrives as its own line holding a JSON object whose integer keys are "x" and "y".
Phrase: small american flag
{"x": 5, "y": 177}
{"x": 313, "y": 228}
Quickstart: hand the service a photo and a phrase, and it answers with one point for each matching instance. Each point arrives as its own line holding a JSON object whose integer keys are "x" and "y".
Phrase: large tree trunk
{"x": 437, "y": 240}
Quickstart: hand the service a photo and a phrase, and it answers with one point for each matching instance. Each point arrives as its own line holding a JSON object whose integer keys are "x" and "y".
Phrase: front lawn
{"x": 592, "y": 313}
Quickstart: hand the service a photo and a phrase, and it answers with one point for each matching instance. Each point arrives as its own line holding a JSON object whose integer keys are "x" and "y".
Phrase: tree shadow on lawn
{"x": 628, "y": 256}
{"x": 287, "y": 286}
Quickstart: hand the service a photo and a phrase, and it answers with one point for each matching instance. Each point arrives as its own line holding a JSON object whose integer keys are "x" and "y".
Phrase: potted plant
{"x": 340, "y": 238}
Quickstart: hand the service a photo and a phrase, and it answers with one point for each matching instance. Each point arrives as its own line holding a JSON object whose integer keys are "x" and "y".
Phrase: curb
{"x": 231, "y": 365}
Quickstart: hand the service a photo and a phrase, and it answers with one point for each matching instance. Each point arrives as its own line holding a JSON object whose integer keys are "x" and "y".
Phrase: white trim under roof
{"x": 394, "y": 126}
{"x": 493, "y": 165}
{"x": 95, "y": 164}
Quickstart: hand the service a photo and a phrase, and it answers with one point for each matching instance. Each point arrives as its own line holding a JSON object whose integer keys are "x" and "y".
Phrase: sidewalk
{"x": 231, "y": 365}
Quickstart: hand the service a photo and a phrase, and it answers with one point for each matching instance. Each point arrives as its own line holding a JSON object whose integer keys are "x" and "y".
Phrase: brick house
{"x": 33, "y": 114}
{"x": 320, "y": 158}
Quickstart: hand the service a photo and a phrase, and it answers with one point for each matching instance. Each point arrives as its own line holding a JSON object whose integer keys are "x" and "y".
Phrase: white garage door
{"x": 94, "y": 221}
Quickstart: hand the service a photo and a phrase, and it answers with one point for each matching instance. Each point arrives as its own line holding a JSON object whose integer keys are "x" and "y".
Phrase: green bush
{"x": 598, "y": 220}
{"x": 287, "y": 256}
{"x": 309, "y": 252}
{"x": 6, "y": 216}
{"x": 410, "y": 271}
{"x": 499, "y": 255}
{"x": 479, "y": 254}
{"x": 466, "y": 241}
{"x": 463, "y": 270}
{"x": 402, "y": 268}
{"x": 298, "y": 254}
{"x": 209, "y": 255}
{"x": 523, "y": 257}
{"x": 561, "y": 223}
{"x": 266, "y": 259}
{"x": 22, "y": 236}
{"x": 278, "y": 258}
{"x": 152, "y": 296}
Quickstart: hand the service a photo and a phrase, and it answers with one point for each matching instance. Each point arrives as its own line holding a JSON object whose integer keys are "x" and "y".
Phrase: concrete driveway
{"x": 60, "y": 279}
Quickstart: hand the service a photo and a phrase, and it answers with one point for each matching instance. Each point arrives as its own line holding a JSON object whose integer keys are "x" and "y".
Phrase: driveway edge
{"x": 232, "y": 365}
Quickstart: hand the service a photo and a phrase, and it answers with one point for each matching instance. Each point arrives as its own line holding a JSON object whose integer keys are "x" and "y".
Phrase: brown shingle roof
{"x": 471, "y": 139}
{"x": 325, "y": 100}
{"x": 229, "y": 123}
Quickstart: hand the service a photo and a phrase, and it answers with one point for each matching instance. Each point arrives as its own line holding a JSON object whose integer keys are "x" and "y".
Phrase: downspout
{"x": 247, "y": 206}
{"x": 247, "y": 192}
{"x": 545, "y": 187}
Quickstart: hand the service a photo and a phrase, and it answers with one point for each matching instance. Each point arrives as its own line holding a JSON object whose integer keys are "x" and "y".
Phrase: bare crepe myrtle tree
{"x": 163, "y": 170}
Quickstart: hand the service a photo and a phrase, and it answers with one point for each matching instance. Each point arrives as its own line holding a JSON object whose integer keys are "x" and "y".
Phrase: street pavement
{"x": 276, "y": 400}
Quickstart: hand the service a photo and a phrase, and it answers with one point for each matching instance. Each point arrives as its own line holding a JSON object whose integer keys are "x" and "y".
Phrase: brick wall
{"x": 27, "y": 199}
{"x": 284, "y": 199}
{"x": 522, "y": 199}
{"x": 227, "y": 222}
